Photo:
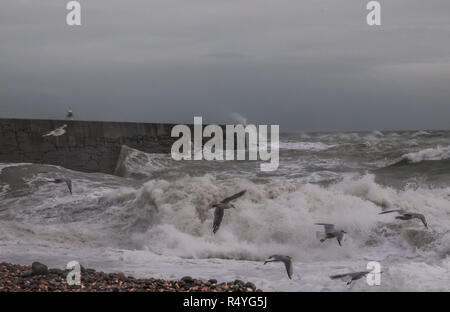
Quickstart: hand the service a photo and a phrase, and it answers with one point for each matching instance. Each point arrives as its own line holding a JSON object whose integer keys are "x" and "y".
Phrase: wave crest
{"x": 438, "y": 153}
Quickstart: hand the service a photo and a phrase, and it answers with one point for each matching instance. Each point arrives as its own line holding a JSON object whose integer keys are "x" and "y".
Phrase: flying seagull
{"x": 62, "y": 180}
{"x": 286, "y": 260}
{"x": 57, "y": 132}
{"x": 331, "y": 232}
{"x": 350, "y": 277}
{"x": 220, "y": 207}
{"x": 405, "y": 215}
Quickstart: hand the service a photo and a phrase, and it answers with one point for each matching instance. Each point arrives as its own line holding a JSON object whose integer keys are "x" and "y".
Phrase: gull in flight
{"x": 350, "y": 277}
{"x": 220, "y": 208}
{"x": 405, "y": 215}
{"x": 57, "y": 132}
{"x": 62, "y": 180}
{"x": 331, "y": 232}
{"x": 286, "y": 260}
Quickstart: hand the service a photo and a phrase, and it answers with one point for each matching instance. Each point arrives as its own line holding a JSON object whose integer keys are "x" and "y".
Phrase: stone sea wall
{"x": 90, "y": 146}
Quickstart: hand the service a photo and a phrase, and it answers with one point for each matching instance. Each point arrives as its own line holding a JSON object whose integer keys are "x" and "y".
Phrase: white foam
{"x": 8, "y": 165}
{"x": 438, "y": 153}
{"x": 305, "y": 146}
{"x": 164, "y": 229}
{"x": 420, "y": 133}
{"x": 279, "y": 217}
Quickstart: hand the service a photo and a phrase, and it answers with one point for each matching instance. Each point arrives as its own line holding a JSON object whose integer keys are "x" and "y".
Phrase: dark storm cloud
{"x": 306, "y": 65}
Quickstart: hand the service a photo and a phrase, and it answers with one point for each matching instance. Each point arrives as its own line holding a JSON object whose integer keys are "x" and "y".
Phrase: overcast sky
{"x": 307, "y": 65}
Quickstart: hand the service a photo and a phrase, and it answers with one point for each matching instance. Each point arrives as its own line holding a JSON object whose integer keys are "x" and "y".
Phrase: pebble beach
{"x": 38, "y": 278}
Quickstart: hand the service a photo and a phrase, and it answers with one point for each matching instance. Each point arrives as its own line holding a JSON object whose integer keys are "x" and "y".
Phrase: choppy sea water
{"x": 152, "y": 217}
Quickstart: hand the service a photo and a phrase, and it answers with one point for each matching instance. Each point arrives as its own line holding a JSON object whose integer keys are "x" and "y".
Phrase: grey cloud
{"x": 306, "y": 65}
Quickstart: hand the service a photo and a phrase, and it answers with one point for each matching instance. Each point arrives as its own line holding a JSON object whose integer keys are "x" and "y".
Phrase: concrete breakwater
{"x": 90, "y": 146}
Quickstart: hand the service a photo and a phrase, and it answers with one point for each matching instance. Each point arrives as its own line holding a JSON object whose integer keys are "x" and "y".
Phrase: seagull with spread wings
{"x": 406, "y": 215}
{"x": 220, "y": 209}
{"x": 350, "y": 277}
{"x": 286, "y": 260}
{"x": 331, "y": 232}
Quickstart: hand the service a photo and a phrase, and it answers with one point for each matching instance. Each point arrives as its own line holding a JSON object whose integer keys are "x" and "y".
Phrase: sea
{"x": 152, "y": 218}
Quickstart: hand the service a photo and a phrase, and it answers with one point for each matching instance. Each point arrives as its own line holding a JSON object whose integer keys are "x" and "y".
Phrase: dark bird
{"x": 220, "y": 208}
{"x": 62, "y": 180}
{"x": 286, "y": 260}
{"x": 331, "y": 232}
{"x": 405, "y": 215}
{"x": 350, "y": 277}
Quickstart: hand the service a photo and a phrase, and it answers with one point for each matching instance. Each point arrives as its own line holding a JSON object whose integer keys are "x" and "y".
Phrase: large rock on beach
{"x": 38, "y": 268}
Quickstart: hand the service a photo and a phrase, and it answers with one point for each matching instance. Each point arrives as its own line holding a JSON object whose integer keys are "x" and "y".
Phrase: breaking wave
{"x": 438, "y": 153}
{"x": 172, "y": 217}
{"x": 153, "y": 216}
{"x": 137, "y": 164}
{"x": 305, "y": 146}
